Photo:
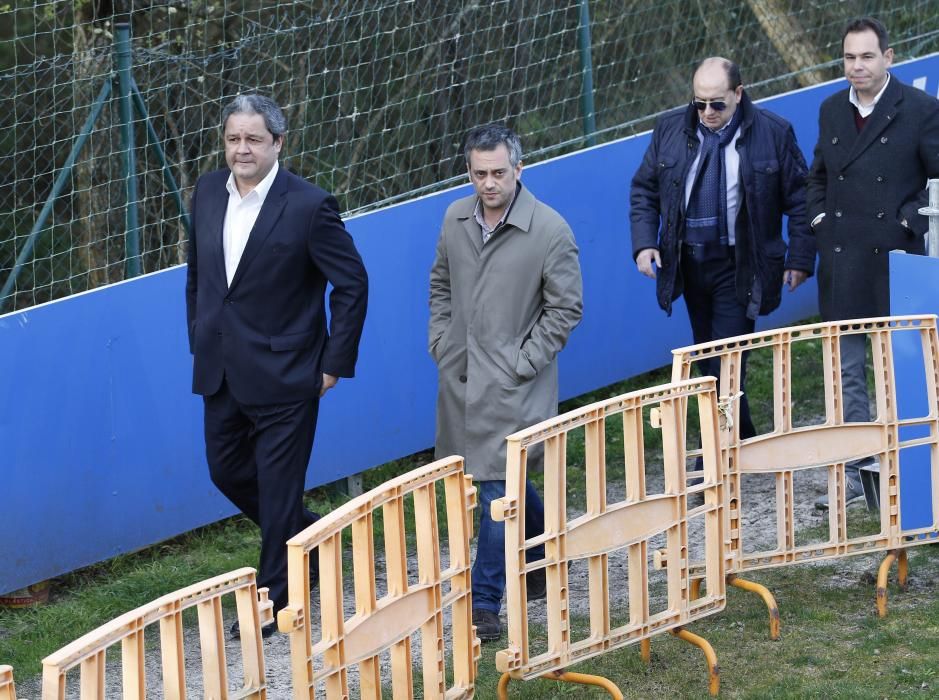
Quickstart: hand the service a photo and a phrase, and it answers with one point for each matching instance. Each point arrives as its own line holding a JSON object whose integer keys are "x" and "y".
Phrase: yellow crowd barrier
{"x": 827, "y": 442}
{"x": 7, "y": 687}
{"x": 421, "y": 594}
{"x": 89, "y": 653}
{"x": 606, "y": 527}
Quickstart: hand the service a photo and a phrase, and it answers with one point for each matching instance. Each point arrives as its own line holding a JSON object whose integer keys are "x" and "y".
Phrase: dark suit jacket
{"x": 266, "y": 334}
{"x": 866, "y": 183}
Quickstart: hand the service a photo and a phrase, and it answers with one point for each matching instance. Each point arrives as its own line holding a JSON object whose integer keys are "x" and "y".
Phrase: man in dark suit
{"x": 878, "y": 142}
{"x": 264, "y": 244}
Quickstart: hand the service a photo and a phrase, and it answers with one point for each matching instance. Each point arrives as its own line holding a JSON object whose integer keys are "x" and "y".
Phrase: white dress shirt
{"x": 865, "y": 110}
{"x": 731, "y": 176}
{"x": 240, "y": 216}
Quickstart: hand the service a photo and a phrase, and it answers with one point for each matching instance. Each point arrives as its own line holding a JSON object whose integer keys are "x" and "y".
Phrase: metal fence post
{"x": 123, "y": 66}
{"x": 586, "y": 69}
{"x": 932, "y": 211}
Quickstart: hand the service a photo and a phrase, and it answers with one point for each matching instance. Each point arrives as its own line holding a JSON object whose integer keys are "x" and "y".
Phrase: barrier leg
{"x": 767, "y": 597}
{"x": 645, "y": 650}
{"x": 502, "y": 690}
{"x": 567, "y": 677}
{"x": 894, "y": 555}
{"x": 903, "y": 569}
{"x": 714, "y": 672}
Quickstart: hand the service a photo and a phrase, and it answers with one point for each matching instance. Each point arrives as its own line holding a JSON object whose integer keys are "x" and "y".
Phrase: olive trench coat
{"x": 499, "y": 315}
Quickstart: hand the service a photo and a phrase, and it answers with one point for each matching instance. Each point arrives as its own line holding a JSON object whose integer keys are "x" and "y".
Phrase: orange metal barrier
{"x": 420, "y": 596}
{"x": 89, "y": 652}
{"x": 613, "y": 527}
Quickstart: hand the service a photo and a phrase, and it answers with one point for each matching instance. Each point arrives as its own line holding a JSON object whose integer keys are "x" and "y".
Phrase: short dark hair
{"x": 868, "y": 24}
{"x": 732, "y": 69}
{"x": 255, "y": 103}
{"x": 488, "y": 137}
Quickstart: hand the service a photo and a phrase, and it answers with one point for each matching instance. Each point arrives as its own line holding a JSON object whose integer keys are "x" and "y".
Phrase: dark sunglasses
{"x": 716, "y": 105}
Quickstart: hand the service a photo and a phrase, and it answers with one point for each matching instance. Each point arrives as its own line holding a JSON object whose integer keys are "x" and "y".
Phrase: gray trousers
{"x": 855, "y": 401}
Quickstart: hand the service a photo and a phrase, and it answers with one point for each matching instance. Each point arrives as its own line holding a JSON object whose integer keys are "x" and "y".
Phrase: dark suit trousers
{"x": 711, "y": 299}
{"x": 258, "y": 457}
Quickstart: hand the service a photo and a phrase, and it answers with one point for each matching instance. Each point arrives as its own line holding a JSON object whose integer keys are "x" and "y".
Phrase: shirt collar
{"x": 481, "y": 220}
{"x": 867, "y": 109}
{"x": 260, "y": 191}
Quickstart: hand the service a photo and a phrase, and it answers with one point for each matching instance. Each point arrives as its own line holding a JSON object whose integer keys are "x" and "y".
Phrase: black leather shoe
{"x": 488, "y": 627}
{"x": 266, "y": 632}
{"x": 536, "y": 586}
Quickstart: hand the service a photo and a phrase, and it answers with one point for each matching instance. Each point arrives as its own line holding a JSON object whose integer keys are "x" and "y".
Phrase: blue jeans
{"x": 489, "y": 567}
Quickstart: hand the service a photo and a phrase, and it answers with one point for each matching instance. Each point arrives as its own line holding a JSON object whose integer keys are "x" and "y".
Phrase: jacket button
{"x": 219, "y": 333}
{"x": 883, "y": 139}
{"x": 880, "y": 178}
{"x": 841, "y": 177}
{"x": 837, "y": 248}
{"x": 876, "y": 250}
{"x": 838, "y": 213}
{"x": 834, "y": 140}
{"x": 880, "y": 215}
{"x": 463, "y": 378}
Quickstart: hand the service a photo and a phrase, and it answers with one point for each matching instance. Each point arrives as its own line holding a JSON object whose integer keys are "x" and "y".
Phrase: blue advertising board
{"x": 102, "y": 447}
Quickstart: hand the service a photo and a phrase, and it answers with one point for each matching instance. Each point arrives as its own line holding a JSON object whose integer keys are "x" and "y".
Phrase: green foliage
{"x": 377, "y": 94}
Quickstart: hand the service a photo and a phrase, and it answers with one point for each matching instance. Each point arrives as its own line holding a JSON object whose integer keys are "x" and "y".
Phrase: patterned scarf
{"x": 706, "y": 217}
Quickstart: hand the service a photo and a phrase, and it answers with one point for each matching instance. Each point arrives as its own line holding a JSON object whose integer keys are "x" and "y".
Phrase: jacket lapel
{"x": 523, "y": 209}
{"x": 882, "y": 116}
{"x": 470, "y": 227}
{"x": 216, "y": 205}
{"x": 270, "y": 212}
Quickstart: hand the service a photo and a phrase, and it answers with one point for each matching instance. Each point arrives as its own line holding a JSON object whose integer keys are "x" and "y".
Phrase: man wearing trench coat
{"x": 505, "y": 293}
{"x": 878, "y": 142}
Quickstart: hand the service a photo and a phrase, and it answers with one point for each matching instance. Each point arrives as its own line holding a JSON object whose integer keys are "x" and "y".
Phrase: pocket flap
{"x": 293, "y": 341}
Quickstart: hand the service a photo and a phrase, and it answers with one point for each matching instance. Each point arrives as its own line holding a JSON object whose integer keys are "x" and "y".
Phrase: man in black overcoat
{"x": 878, "y": 143}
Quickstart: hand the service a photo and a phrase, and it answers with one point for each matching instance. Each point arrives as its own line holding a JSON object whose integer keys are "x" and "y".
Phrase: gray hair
{"x": 253, "y": 103}
{"x": 488, "y": 137}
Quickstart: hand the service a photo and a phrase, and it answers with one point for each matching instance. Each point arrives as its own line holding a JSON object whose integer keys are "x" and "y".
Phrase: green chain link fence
{"x": 377, "y": 95}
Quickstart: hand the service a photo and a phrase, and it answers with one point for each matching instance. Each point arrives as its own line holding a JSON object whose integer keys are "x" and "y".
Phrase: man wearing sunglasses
{"x": 706, "y": 210}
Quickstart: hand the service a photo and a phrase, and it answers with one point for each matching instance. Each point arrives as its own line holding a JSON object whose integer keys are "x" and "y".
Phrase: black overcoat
{"x": 866, "y": 184}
